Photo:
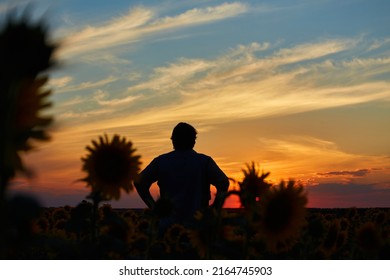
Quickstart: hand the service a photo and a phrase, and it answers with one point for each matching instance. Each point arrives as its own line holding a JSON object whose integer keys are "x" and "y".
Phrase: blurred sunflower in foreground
{"x": 26, "y": 52}
{"x": 282, "y": 213}
{"x": 111, "y": 166}
{"x": 27, "y": 122}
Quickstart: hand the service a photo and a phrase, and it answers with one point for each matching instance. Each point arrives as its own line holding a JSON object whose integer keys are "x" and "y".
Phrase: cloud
{"x": 255, "y": 90}
{"x": 138, "y": 23}
{"x": 378, "y": 44}
{"x": 201, "y": 15}
{"x": 173, "y": 76}
{"x": 82, "y": 115}
{"x": 354, "y": 173}
{"x": 244, "y": 83}
{"x": 86, "y": 85}
{"x": 101, "y": 98}
{"x": 60, "y": 82}
{"x": 72, "y": 101}
{"x": 115, "y": 32}
{"x": 312, "y": 50}
{"x": 105, "y": 58}
{"x": 238, "y": 66}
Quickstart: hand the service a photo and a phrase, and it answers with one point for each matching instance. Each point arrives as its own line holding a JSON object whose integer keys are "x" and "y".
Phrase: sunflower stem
{"x": 94, "y": 228}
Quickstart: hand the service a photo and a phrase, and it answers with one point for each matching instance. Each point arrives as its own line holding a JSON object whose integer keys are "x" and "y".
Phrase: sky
{"x": 300, "y": 87}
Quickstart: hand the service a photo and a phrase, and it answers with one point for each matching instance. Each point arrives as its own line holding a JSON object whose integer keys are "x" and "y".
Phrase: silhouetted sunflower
{"x": 253, "y": 186}
{"x": 111, "y": 166}
{"x": 26, "y": 48}
{"x": 28, "y": 124}
{"x": 25, "y": 53}
{"x": 282, "y": 215}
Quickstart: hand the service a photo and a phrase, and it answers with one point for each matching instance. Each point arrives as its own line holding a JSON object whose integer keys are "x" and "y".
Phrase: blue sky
{"x": 301, "y": 87}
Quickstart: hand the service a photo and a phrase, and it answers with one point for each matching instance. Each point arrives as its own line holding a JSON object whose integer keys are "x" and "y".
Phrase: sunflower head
{"x": 111, "y": 167}
{"x": 25, "y": 53}
{"x": 25, "y": 48}
{"x": 253, "y": 186}
{"x": 282, "y": 213}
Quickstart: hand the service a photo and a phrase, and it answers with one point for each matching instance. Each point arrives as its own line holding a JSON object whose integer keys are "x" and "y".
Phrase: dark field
{"x": 68, "y": 233}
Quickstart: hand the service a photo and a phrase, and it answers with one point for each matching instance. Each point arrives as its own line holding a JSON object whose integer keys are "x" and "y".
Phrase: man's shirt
{"x": 184, "y": 178}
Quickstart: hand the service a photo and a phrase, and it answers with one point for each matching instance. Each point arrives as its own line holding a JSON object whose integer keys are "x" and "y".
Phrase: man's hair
{"x": 183, "y": 136}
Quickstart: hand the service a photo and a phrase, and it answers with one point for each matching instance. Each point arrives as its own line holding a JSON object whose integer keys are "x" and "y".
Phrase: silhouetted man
{"x": 183, "y": 176}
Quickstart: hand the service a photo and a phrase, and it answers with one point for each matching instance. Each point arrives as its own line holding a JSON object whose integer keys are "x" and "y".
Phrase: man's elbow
{"x": 137, "y": 185}
{"x": 140, "y": 188}
{"x": 223, "y": 185}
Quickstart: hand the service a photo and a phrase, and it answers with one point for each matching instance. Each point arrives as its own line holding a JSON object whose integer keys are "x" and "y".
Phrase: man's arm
{"x": 221, "y": 183}
{"x": 145, "y": 180}
{"x": 220, "y": 195}
{"x": 145, "y": 195}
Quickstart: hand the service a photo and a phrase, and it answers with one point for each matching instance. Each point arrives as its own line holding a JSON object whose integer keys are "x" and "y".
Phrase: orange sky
{"x": 333, "y": 177}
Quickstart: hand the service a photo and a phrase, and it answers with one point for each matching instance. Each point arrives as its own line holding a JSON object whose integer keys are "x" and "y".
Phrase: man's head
{"x": 183, "y": 136}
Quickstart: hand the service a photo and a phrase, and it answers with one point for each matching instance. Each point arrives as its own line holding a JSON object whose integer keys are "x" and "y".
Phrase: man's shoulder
{"x": 187, "y": 153}
{"x": 203, "y": 156}
{"x": 166, "y": 155}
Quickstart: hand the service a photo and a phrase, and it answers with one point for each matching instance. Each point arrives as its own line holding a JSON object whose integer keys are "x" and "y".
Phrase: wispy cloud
{"x": 353, "y": 173}
{"x": 378, "y": 44}
{"x": 262, "y": 87}
{"x": 72, "y": 101}
{"x": 239, "y": 66}
{"x": 66, "y": 87}
{"x": 312, "y": 51}
{"x": 140, "y": 22}
{"x": 200, "y": 16}
{"x": 115, "y": 32}
{"x": 82, "y": 115}
{"x": 244, "y": 83}
{"x": 101, "y": 98}
{"x": 174, "y": 76}
{"x": 60, "y": 82}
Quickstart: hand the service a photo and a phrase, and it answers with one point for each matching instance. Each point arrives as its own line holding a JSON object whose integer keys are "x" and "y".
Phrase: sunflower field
{"x": 65, "y": 233}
